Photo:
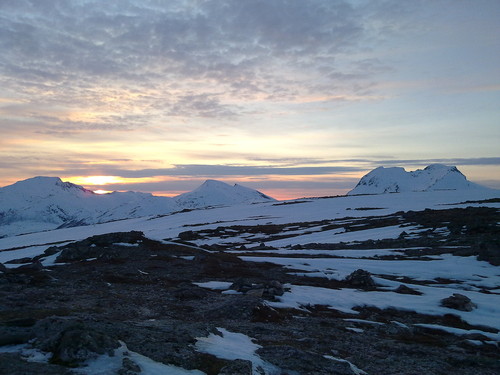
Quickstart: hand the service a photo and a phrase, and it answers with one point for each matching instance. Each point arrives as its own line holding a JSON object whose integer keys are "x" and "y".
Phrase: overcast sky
{"x": 294, "y": 97}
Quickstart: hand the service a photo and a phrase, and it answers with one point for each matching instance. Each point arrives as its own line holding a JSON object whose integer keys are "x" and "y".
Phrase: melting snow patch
{"x": 231, "y": 291}
{"x": 105, "y": 365}
{"x": 402, "y": 325}
{"x": 346, "y": 299}
{"x": 125, "y": 244}
{"x": 364, "y": 321}
{"x": 357, "y": 330}
{"x": 340, "y": 235}
{"x": 353, "y": 367}
{"x": 51, "y": 260}
{"x": 234, "y": 346}
{"x": 464, "y": 269}
{"x": 459, "y": 331}
{"x": 215, "y": 285}
{"x": 339, "y": 253}
{"x": 27, "y": 353}
{"x": 28, "y": 252}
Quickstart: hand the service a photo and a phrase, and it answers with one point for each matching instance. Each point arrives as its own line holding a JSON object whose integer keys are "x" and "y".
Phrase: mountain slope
{"x": 396, "y": 180}
{"x": 45, "y": 203}
{"x": 41, "y": 203}
{"x": 218, "y": 193}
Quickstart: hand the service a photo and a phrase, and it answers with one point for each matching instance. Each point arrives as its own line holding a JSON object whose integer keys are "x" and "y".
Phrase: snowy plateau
{"x": 400, "y": 276}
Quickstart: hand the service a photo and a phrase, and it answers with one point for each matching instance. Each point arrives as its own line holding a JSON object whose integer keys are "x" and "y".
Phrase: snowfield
{"x": 468, "y": 274}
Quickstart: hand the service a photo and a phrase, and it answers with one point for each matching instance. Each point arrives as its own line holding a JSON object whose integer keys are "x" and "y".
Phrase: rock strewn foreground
{"x": 124, "y": 288}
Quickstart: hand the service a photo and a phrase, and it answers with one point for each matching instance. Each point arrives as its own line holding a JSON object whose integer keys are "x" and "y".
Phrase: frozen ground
{"x": 306, "y": 210}
{"x": 318, "y": 243}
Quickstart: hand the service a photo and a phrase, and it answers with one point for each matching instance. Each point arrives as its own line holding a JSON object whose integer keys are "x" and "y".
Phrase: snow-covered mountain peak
{"x": 42, "y": 186}
{"x": 396, "y": 179}
{"x": 211, "y": 182}
{"x": 43, "y": 203}
{"x": 218, "y": 193}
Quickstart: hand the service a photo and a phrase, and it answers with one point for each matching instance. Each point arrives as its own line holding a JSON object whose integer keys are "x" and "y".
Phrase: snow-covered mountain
{"x": 217, "y": 193}
{"x": 47, "y": 202}
{"x": 397, "y": 180}
{"x": 44, "y": 203}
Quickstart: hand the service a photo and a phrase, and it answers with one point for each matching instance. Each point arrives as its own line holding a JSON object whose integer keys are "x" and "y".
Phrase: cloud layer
{"x": 146, "y": 59}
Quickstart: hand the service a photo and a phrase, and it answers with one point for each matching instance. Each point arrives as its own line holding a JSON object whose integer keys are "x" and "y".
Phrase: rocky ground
{"x": 124, "y": 288}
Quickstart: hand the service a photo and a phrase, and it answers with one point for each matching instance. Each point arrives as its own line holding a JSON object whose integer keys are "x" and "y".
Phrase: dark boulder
{"x": 268, "y": 290}
{"x": 78, "y": 345}
{"x": 71, "y": 341}
{"x": 188, "y": 235}
{"x": 265, "y": 313}
{"x": 403, "y": 289}
{"x": 361, "y": 279}
{"x": 237, "y": 367}
{"x": 303, "y": 362}
{"x": 458, "y": 302}
{"x": 186, "y": 292}
{"x": 129, "y": 367}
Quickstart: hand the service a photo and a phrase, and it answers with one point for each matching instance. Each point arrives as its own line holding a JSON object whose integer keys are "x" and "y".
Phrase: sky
{"x": 292, "y": 97}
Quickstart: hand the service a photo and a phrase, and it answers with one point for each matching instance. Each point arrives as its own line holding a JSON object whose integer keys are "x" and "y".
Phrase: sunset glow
{"x": 97, "y": 180}
{"x": 100, "y": 192}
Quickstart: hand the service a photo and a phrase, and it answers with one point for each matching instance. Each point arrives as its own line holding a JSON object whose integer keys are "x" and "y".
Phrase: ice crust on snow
{"x": 396, "y": 180}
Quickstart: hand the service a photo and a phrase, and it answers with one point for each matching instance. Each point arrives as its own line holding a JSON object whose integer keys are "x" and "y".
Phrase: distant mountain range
{"x": 44, "y": 203}
{"x": 397, "y": 180}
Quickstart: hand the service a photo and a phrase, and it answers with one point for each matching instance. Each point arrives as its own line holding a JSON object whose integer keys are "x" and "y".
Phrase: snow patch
{"x": 232, "y": 346}
{"x": 105, "y": 365}
{"x": 215, "y": 285}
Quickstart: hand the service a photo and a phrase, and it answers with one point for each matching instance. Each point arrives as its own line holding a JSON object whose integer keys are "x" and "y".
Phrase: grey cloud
{"x": 200, "y": 106}
{"x": 242, "y": 47}
{"x": 209, "y": 171}
{"x": 214, "y": 171}
{"x": 260, "y": 184}
{"x": 228, "y": 170}
{"x": 450, "y": 161}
